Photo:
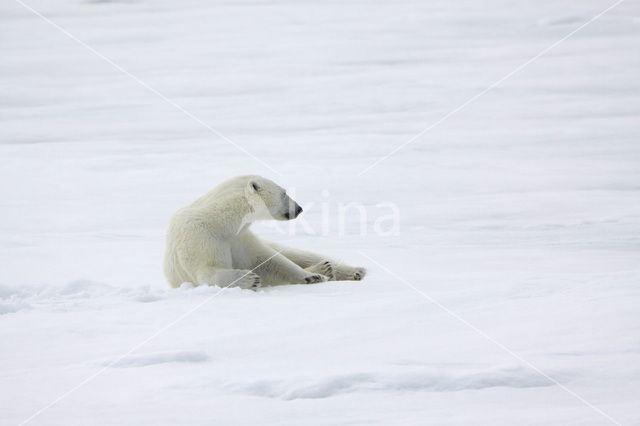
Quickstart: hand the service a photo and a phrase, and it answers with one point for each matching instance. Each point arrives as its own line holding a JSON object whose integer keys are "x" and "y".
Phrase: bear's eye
{"x": 255, "y": 186}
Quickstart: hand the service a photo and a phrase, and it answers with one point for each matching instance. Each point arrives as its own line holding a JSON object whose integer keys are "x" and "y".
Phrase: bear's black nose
{"x": 298, "y": 211}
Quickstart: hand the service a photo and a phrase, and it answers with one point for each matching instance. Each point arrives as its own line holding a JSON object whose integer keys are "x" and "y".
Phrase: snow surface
{"x": 520, "y": 213}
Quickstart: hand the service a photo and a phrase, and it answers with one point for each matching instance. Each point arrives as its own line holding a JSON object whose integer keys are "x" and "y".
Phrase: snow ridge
{"x": 154, "y": 358}
{"x": 424, "y": 380}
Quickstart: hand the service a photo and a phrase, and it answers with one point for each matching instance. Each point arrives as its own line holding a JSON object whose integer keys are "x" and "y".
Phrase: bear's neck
{"x": 235, "y": 216}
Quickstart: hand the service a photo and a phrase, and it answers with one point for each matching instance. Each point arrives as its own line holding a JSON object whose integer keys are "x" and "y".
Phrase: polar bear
{"x": 209, "y": 241}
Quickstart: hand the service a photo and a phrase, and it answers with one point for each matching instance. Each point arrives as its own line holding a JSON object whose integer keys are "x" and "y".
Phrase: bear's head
{"x": 270, "y": 201}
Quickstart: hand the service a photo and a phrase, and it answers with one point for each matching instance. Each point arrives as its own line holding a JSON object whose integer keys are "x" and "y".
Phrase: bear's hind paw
{"x": 359, "y": 274}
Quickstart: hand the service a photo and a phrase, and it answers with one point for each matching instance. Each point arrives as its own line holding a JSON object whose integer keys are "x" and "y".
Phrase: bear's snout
{"x": 295, "y": 212}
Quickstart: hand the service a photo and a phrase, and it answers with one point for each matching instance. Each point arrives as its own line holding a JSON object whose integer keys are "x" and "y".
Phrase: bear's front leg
{"x": 323, "y": 268}
{"x": 229, "y": 277}
{"x": 280, "y": 270}
{"x": 337, "y": 271}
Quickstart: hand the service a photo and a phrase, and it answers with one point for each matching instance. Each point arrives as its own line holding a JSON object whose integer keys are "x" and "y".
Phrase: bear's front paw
{"x": 248, "y": 280}
{"x": 323, "y": 268}
{"x": 315, "y": 278}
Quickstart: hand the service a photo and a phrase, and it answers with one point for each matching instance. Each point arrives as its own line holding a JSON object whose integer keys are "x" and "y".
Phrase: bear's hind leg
{"x": 336, "y": 271}
{"x": 344, "y": 272}
{"x": 273, "y": 267}
{"x": 303, "y": 259}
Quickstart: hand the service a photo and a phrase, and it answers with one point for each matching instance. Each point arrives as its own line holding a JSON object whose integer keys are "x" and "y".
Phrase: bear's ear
{"x": 254, "y": 186}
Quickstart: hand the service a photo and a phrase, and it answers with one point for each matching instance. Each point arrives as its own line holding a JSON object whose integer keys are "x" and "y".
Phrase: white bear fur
{"x": 209, "y": 241}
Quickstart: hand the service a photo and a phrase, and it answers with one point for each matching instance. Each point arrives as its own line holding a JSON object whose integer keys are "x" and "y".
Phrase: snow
{"x": 518, "y": 230}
